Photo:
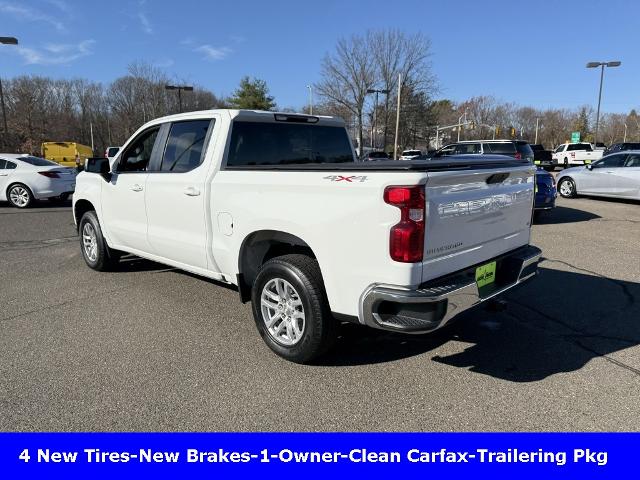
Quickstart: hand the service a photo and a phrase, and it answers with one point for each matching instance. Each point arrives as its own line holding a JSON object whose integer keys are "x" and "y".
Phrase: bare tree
{"x": 347, "y": 74}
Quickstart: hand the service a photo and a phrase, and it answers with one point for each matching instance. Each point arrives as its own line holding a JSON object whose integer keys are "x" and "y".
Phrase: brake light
{"x": 50, "y": 174}
{"x": 406, "y": 239}
{"x": 518, "y": 155}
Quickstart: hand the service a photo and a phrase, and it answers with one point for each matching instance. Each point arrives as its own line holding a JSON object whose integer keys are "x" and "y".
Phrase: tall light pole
{"x": 375, "y": 114}
{"x": 601, "y": 65}
{"x": 5, "y": 41}
{"x": 310, "y": 99}
{"x": 395, "y": 143}
{"x": 179, "y": 88}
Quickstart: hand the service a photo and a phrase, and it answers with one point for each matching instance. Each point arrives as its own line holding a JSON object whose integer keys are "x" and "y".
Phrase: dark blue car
{"x": 545, "y": 190}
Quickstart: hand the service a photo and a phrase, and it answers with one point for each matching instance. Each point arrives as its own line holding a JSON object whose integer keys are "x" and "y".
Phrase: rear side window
{"x": 111, "y": 152}
{"x": 259, "y": 143}
{"x": 37, "y": 161}
{"x": 505, "y": 148}
{"x": 185, "y": 146}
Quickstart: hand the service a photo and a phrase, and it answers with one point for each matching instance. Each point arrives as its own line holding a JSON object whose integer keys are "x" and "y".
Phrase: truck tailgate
{"x": 473, "y": 216}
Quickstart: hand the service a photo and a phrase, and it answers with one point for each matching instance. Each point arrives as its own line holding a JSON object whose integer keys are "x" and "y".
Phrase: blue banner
{"x": 434, "y": 455}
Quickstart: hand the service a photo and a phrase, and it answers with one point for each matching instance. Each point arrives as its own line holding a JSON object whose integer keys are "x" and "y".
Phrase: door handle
{"x": 191, "y": 191}
{"x": 610, "y": 171}
{"x": 136, "y": 187}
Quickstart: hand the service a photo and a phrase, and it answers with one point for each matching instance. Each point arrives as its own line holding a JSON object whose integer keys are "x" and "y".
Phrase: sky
{"x": 528, "y": 52}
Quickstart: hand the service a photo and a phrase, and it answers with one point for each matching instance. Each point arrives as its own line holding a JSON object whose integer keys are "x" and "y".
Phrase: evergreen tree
{"x": 252, "y": 95}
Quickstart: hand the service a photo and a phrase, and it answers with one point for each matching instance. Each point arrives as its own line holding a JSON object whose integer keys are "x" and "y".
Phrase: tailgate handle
{"x": 497, "y": 178}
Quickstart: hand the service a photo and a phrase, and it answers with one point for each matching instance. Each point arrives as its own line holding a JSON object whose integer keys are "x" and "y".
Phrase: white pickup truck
{"x": 276, "y": 204}
{"x": 567, "y": 154}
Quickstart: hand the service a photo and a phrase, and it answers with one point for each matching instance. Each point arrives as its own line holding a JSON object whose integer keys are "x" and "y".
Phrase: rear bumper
{"x": 433, "y": 304}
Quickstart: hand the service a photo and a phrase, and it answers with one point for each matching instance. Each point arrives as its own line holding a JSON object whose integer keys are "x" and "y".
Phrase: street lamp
{"x": 5, "y": 41}
{"x": 601, "y": 65}
{"x": 179, "y": 88}
{"x": 375, "y": 113}
{"x": 310, "y": 100}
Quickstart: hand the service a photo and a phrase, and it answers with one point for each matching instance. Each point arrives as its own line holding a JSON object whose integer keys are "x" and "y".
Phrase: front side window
{"x": 559, "y": 149}
{"x": 467, "y": 148}
{"x": 444, "y": 151}
{"x": 260, "y": 143}
{"x": 612, "y": 161}
{"x": 137, "y": 155}
{"x": 10, "y": 165}
{"x": 3, "y": 164}
{"x": 185, "y": 146}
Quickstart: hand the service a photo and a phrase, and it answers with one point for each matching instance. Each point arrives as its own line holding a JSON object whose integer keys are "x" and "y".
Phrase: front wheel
{"x": 291, "y": 310}
{"x": 95, "y": 251}
{"x": 19, "y": 195}
{"x": 567, "y": 188}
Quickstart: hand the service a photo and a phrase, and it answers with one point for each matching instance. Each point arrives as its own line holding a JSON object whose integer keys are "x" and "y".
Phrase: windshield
{"x": 37, "y": 161}
{"x": 260, "y": 143}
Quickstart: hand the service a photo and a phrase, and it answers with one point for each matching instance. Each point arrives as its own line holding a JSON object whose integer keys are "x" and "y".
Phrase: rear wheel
{"x": 95, "y": 251}
{"x": 291, "y": 310}
{"x": 567, "y": 187}
{"x": 19, "y": 195}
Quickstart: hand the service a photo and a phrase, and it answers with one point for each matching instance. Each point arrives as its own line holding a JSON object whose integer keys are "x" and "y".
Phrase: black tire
{"x": 26, "y": 191}
{"x": 570, "y": 190}
{"x": 566, "y": 162}
{"x": 105, "y": 258}
{"x": 320, "y": 328}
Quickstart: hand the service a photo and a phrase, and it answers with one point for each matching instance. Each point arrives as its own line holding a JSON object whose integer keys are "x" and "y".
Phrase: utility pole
{"x": 537, "y": 124}
{"x": 625, "y": 133}
{"x": 375, "y": 115}
{"x": 5, "y": 41}
{"x": 310, "y": 100}
{"x": 395, "y": 143}
{"x": 601, "y": 65}
{"x": 91, "y": 130}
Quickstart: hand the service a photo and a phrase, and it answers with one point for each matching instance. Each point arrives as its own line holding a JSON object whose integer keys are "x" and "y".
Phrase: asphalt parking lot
{"x": 150, "y": 348}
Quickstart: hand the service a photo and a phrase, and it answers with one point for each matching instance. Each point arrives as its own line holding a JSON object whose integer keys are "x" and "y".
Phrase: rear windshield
{"x": 259, "y": 143}
{"x": 502, "y": 148}
{"x": 378, "y": 155}
{"x": 631, "y": 146}
{"x": 525, "y": 150}
{"x": 37, "y": 161}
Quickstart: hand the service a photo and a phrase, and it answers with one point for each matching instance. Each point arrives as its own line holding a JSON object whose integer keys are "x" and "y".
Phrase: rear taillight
{"x": 406, "y": 241}
{"x": 518, "y": 155}
{"x": 50, "y": 174}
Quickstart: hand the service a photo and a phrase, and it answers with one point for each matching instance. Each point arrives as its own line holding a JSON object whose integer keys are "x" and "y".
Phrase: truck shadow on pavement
{"x": 563, "y": 215}
{"x": 557, "y": 323}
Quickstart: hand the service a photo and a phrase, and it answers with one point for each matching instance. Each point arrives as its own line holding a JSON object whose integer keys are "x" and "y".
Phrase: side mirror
{"x": 100, "y": 166}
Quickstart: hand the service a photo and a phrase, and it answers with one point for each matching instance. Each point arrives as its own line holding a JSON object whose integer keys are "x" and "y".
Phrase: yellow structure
{"x": 68, "y": 154}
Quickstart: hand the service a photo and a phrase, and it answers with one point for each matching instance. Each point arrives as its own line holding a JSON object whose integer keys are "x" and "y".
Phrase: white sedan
{"x": 616, "y": 175}
{"x": 24, "y": 178}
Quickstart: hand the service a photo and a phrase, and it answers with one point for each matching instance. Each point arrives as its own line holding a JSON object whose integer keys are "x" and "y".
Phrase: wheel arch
{"x": 80, "y": 208}
{"x": 260, "y": 246}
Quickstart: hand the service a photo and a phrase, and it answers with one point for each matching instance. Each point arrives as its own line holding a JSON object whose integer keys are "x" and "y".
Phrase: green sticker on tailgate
{"x": 486, "y": 274}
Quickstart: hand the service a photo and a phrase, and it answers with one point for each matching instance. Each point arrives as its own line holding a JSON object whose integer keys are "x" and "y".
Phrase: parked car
{"x": 512, "y": 148}
{"x": 111, "y": 152}
{"x": 67, "y": 154}
{"x": 546, "y": 192}
{"x": 619, "y": 147}
{"x": 410, "y": 154}
{"x": 542, "y": 157}
{"x": 545, "y": 197}
{"x": 373, "y": 155}
{"x": 568, "y": 154}
{"x": 24, "y": 178}
{"x": 265, "y": 201}
{"x": 616, "y": 175}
